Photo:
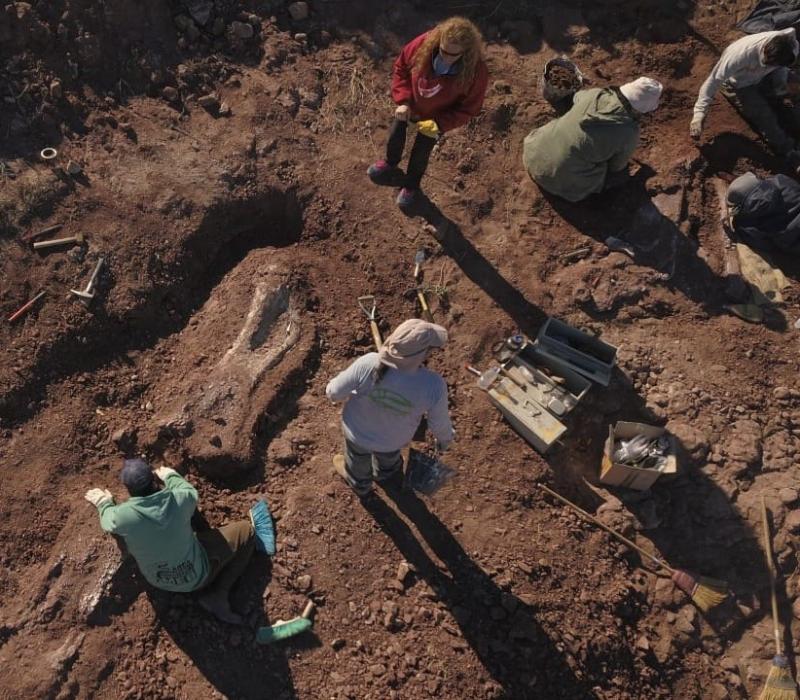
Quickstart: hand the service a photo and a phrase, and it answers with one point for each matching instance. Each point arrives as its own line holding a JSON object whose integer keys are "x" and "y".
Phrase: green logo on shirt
{"x": 391, "y": 401}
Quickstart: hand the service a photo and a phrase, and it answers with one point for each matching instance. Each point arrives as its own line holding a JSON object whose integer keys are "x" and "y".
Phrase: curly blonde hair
{"x": 461, "y": 31}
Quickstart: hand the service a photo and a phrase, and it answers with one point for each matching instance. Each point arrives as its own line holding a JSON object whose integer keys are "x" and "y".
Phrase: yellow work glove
{"x": 428, "y": 128}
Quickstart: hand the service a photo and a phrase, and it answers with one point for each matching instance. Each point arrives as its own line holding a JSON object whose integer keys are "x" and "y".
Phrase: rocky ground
{"x": 214, "y": 154}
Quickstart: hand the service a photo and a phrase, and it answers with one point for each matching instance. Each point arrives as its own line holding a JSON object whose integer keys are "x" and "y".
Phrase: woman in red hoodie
{"x": 439, "y": 80}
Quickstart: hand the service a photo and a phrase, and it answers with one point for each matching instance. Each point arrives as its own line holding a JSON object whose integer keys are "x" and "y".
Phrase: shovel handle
{"x": 376, "y": 334}
{"x": 38, "y": 245}
{"x": 771, "y": 567}
{"x": 609, "y": 530}
{"x": 423, "y": 302}
{"x": 22, "y": 309}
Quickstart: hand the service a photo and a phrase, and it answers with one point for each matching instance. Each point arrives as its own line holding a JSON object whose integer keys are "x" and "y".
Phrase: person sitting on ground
{"x": 439, "y": 81}
{"x": 752, "y": 74}
{"x": 386, "y": 395}
{"x": 155, "y": 524}
{"x": 765, "y": 213}
{"x": 587, "y": 150}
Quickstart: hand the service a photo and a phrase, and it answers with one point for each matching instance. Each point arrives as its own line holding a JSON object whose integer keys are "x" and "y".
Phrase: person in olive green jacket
{"x": 573, "y": 156}
{"x": 156, "y": 526}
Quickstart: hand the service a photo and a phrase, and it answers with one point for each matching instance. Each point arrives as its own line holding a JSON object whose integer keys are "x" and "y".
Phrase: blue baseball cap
{"x": 136, "y": 475}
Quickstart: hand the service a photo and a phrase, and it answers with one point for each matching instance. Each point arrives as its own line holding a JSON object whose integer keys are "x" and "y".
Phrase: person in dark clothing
{"x": 766, "y": 212}
{"x": 439, "y": 81}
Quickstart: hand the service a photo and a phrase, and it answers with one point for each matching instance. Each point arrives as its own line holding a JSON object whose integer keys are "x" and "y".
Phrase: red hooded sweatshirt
{"x": 437, "y": 97}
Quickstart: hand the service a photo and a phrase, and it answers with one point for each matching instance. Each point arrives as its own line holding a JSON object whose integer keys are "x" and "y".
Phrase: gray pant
{"x": 362, "y": 466}
{"x": 765, "y": 112}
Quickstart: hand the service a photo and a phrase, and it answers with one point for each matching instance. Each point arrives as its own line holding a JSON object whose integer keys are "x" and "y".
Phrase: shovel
{"x": 367, "y": 304}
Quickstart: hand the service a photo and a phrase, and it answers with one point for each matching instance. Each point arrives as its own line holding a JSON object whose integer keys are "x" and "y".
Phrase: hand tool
{"x": 77, "y": 238}
{"x": 22, "y": 309}
{"x": 419, "y": 258}
{"x": 35, "y": 234}
{"x": 367, "y": 304}
{"x": 88, "y": 292}
{"x": 283, "y": 629}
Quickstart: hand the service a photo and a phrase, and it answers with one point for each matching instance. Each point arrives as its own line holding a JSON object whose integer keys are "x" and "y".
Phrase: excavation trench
{"x": 229, "y": 230}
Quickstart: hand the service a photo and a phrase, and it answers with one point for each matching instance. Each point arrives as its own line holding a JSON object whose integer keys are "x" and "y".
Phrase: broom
{"x": 780, "y": 684}
{"x": 706, "y": 593}
{"x": 284, "y": 629}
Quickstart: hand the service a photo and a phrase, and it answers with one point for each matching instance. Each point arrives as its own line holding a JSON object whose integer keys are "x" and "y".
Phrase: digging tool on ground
{"x": 419, "y": 258}
{"x": 25, "y": 307}
{"x": 87, "y": 294}
{"x": 706, "y": 593}
{"x": 367, "y": 304}
{"x": 780, "y": 684}
{"x": 42, "y": 232}
{"x": 285, "y": 629}
{"x": 77, "y": 238}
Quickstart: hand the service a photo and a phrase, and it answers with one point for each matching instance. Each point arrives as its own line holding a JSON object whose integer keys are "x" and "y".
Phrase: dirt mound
{"x": 221, "y": 152}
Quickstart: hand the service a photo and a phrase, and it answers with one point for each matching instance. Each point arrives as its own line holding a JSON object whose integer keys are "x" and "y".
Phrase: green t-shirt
{"x": 158, "y": 532}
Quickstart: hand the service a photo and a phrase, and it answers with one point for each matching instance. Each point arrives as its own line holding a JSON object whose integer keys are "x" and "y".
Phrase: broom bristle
{"x": 707, "y": 593}
{"x": 780, "y": 685}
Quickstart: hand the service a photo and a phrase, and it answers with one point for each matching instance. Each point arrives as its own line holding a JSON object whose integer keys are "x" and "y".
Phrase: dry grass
{"x": 352, "y": 95}
{"x": 24, "y": 198}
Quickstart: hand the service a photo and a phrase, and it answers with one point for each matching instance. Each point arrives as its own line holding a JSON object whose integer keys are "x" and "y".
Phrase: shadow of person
{"x": 224, "y": 654}
{"x": 479, "y": 270}
{"x": 649, "y": 226}
{"x": 724, "y": 151}
{"x": 497, "y": 625}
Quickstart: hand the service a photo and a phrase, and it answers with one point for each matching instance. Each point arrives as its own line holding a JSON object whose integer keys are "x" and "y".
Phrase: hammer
{"x": 77, "y": 238}
{"x": 88, "y": 293}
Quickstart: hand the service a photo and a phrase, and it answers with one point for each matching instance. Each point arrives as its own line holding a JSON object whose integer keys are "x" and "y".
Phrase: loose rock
{"x": 298, "y": 11}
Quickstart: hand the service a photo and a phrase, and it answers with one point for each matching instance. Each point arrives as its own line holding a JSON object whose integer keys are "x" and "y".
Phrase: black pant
{"x": 420, "y": 152}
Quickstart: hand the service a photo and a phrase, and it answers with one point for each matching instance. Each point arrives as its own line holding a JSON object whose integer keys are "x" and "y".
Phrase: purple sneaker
{"x": 409, "y": 200}
{"x": 381, "y": 173}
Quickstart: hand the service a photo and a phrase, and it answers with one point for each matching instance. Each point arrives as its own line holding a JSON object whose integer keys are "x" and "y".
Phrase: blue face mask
{"x": 441, "y": 68}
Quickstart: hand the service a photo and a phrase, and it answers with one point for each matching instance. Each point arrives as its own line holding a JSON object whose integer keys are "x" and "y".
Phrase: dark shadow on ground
{"x": 528, "y": 26}
{"x": 629, "y": 213}
{"x": 689, "y": 518}
{"x": 513, "y": 650}
{"x": 480, "y": 271}
{"x": 225, "y": 654}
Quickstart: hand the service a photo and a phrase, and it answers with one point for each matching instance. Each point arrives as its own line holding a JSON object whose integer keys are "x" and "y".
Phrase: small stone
{"x": 643, "y": 643}
{"x": 170, "y": 94}
{"x": 56, "y": 90}
{"x": 796, "y": 608}
{"x": 123, "y": 437}
{"x": 210, "y": 101}
{"x": 338, "y": 643}
{"x": 787, "y": 495}
{"x": 376, "y": 669}
{"x": 316, "y": 529}
{"x": 304, "y": 582}
{"x": 73, "y": 168}
{"x": 793, "y": 521}
{"x": 242, "y": 30}
{"x": 502, "y": 86}
{"x": 782, "y": 392}
{"x": 403, "y": 571}
{"x": 301, "y": 37}
{"x": 224, "y": 109}
{"x": 298, "y": 11}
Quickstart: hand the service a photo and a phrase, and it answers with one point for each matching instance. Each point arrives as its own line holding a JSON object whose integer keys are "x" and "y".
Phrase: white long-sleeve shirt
{"x": 384, "y": 418}
{"x": 741, "y": 65}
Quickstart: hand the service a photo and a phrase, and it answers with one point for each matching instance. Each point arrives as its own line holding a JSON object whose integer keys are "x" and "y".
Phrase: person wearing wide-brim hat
{"x": 386, "y": 394}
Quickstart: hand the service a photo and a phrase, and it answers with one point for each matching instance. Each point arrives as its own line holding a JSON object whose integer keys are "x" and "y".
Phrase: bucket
{"x": 561, "y": 79}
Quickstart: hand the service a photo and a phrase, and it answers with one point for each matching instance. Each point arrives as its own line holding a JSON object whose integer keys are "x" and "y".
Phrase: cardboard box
{"x": 636, "y": 478}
